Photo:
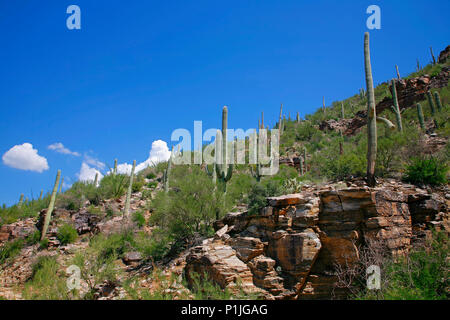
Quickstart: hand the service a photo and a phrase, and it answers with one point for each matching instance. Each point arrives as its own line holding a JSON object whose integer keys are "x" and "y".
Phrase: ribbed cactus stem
{"x": 280, "y": 125}
{"x": 304, "y": 158}
{"x": 396, "y": 107}
{"x": 342, "y": 110}
{"x": 420, "y": 116}
{"x": 323, "y": 104}
{"x": 20, "y": 200}
{"x": 432, "y": 55}
{"x": 371, "y": 116}
{"x": 437, "y": 98}
{"x": 302, "y": 170}
{"x": 418, "y": 65}
{"x": 398, "y": 73}
{"x": 262, "y": 119}
{"x": 298, "y": 117}
{"x": 167, "y": 173}
{"x": 96, "y": 179}
{"x": 115, "y": 167}
{"x": 130, "y": 187}
{"x": 40, "y": 196}
{"x": 61, "y": 185}
{"x": 431, "y": 103}
{"x": 51, "y": 206}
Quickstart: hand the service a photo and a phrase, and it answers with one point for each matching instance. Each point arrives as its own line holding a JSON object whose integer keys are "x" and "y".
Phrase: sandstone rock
{"x": 132, "y": 258}
{"x": 246, "y": 247}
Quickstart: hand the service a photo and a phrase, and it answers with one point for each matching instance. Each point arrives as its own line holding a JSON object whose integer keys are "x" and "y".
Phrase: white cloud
{"x": 88, "y": 174}
{"x": 158, "y": 153}
{"x": 94, "y": 162}
{"x": 59, "y": 147}
{"x": 24, "y": 157}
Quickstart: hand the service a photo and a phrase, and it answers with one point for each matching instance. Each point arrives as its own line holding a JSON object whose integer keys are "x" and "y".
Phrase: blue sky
{"x": 137, "y": 70}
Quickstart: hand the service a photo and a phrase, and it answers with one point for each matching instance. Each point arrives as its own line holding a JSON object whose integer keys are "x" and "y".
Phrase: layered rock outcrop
{"x": 290, "y": 250}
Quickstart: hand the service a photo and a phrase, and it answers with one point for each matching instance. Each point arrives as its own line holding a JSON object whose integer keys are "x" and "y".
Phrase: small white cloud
{"x": 158, "y": 153}
{"x": 24, "y": 157}
{"x": 59, "y": 147}
{"x": 88, "y": 174}
{"x": 94, "y": 162}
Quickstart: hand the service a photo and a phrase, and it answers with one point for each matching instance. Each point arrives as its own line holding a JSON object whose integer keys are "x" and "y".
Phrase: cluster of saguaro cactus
{"x": 371, "y": 116}
{"x": 166, "y": 173}
{"x": 420, "y": 116}
{"x": 51, "y": 206}
{"x": 396, "y": 108}
{"x": 130, "y": 187}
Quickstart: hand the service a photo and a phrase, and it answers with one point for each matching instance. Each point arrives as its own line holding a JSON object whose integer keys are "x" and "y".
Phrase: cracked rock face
{"x": 291, "y": 248}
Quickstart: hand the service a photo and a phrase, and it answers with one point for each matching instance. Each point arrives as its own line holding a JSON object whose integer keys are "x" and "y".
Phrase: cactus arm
{"x": 396, "y": 108}
{"x": 371, "y": 116}
{"x": 51, "y": 206}
{"x": 387, "y": 122}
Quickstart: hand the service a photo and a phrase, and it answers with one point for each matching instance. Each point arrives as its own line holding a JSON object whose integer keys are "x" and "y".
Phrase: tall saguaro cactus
{"x": 130, "y": 187}
{"x": 431, "y": 103}
{"x": 224, "y": 170}
{"x": 420, "y": 116}
{"x": 96, "y": 179}
{"x": 432, "y": 55}
{"x": 396, "y": 107}
{"x": 51, "y": 206}
{"x": 371, "y": 116}
{"x": 437, "y": 98}
{"x": 280, "y": 124}
{"x": 166, "y": 173}
{"x": 398, "y": 73}
{"x": 20, "y": 200}
{"x": 40, "y": 196}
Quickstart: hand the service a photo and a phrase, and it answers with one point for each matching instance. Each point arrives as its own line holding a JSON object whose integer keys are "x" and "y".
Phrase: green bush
{"x": 46, "y": 282}
{"x": 10, "y": 250}
{"x": 67, "y": 234}
{"x": 138, "y": 218}
{"x": 113, "y": 186}
{"x": 259, "y": 192}
{"x": 150, "y": 176}
{"x": 427, "y": 171}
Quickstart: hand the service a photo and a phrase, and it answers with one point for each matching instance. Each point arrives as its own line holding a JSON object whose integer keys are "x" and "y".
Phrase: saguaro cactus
{"x": 371, "y": 116}
{"x": 130, "y": 187}
{"x": 20, "y": 200}
{"x": 262, "y": 119}
{"x": 420, "y": 116}
{"x": 437, "y": 98}
{"x": 298, "y": 117}
{"x": 115, "y": 167}
{"x": 224, "y": 170}
{"x": 51, "y": 206}
{"x": 40, "y": 196}
{"x": 166, "y": 173}
{"x": 96, "y": 179}
{"x": 432, "y": 55}
{"x": 431, "y": 103}
{"x": 61, "y": 185}
{"x": 396, "y": 107}
{"x": 280, "y": 124}
{"x": 342, "y": 110}
{"x": 304, "y": 158}
{"x": 323, "y": 104}
{"x": 398, "y": 73}
{"x": 418, "y": 66}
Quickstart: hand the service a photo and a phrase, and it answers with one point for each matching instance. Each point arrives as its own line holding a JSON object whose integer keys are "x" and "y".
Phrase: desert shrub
{"x": 427, "y": 171}
{"x": 27, "y": 210}
{"x": 190, "y": 206}
{"x": 259, "y": 192}
{"x": 138, "y": 218}
{"x": 10, "y": 249}
{"x": 46, "y": 282}
{"x": 421, "y": 275}
{"x": 138, "y": 183}
{"x": 113, "y": 186}
{"x": 150, "y": 175}
{"x": 67, "y": 234}
{"x": 33, "y": 238}
{"x": 74, "y": 198}
{"x": 152, "y": 184}
{"x": 155, "y": 247}
{"x": 238, "y": 188}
